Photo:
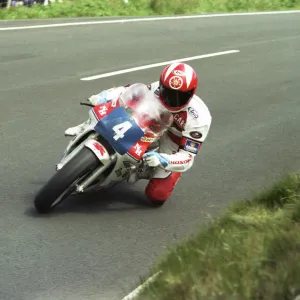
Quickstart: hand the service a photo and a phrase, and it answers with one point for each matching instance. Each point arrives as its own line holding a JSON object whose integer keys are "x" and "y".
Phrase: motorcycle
{"x": 109, "y": 148}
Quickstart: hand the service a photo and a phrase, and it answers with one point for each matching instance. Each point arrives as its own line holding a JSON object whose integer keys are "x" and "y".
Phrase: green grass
{"x": 93, "y": 8}
{"x": 251, "y": 251}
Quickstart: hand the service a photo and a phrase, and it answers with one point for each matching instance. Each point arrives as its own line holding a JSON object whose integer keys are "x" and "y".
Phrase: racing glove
{"x": 154, "y": 159}
{"x": 99, "y": 98}
{"x": 106, "y": 95}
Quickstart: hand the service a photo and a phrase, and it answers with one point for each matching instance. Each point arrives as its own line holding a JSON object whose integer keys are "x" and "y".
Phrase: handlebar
{"x": 86, "y": 104}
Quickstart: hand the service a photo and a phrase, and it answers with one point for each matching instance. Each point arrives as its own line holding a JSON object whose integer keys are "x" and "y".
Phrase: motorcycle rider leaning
{"x": 180, "y": 144}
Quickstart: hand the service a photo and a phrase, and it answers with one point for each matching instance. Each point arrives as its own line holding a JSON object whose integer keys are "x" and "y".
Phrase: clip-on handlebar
{"x": 86, "y": 104}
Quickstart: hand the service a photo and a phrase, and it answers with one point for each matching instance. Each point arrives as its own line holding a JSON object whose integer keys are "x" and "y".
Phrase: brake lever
{"x": 86, "y": 104}
{"x": 144, "y": 165}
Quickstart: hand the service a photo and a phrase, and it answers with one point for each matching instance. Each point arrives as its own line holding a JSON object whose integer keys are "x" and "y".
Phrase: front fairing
{"x": 133, "y": 121}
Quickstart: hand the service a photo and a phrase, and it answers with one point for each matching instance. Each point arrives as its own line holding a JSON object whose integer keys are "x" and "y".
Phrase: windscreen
{"x": 146, "y": 109}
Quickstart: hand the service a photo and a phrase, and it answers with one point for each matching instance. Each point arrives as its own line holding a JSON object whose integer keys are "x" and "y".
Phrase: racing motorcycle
{"x": 109, "y": 148}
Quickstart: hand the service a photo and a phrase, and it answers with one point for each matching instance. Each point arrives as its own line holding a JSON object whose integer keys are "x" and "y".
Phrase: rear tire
{"x": 63, "y": 181}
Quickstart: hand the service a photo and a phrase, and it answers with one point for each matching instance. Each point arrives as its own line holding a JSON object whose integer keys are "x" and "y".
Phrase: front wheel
{"x": 63, "y": 182}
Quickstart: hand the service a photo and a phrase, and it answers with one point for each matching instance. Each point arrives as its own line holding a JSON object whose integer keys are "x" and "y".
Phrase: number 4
{"x": 120, "y": 129}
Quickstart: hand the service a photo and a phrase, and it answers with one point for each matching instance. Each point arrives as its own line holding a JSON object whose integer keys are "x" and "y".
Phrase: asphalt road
{"x": 97, "y": 246}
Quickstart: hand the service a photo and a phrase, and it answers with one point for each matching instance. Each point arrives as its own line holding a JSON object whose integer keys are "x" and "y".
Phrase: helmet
{"x": 177, "y": 85}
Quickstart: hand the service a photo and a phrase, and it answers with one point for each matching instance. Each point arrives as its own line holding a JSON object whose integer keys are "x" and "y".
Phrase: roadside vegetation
{"x": 251, "y": 251}
{"x": 93, "y": 8}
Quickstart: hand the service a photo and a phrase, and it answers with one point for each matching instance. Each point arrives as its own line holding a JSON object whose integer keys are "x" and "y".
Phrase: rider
{"x": 179, "y": 145}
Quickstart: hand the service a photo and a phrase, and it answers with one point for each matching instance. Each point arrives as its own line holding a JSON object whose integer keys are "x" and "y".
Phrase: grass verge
{"x": 93, "y": 8}
{"x": 252, "y": 251}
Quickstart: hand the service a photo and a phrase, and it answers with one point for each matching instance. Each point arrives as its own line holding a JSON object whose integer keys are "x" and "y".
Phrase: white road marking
{"x": 158, "y": 65}
{"x": 138, "y": 290}
{"x": 149, "y": 19}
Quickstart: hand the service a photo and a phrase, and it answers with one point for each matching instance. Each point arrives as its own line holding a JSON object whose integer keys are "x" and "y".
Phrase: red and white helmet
{"x": 177, "y": 85}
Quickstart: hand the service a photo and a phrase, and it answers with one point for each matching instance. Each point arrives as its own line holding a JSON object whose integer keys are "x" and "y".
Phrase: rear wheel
{"x": 63, "y": 182}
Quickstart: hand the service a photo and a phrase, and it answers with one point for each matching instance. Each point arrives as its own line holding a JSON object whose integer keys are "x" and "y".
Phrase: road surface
{"x": 96, "y": 247}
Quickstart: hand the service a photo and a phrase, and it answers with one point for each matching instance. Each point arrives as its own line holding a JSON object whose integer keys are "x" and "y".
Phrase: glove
{"x": 98, "y": 99}
{"x": 154, "y": 159}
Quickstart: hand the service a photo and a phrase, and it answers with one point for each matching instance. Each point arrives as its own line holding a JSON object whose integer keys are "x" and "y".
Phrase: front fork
{"x": 96, "y": 173}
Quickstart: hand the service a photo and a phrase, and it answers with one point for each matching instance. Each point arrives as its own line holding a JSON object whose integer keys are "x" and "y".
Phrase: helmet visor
{"x": 174, "y": 98}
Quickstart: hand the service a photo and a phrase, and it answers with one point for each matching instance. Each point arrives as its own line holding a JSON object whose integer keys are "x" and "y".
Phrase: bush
{"x": 98, "y": 8}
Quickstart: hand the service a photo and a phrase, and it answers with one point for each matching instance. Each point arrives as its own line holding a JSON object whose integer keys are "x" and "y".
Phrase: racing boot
{"x": 73, "y": 131}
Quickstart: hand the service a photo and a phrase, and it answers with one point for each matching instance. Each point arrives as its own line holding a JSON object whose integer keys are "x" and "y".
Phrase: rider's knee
{"x": 160, "y": 189}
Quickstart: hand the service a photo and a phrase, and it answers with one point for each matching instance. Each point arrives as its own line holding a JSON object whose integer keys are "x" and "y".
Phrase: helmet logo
{"x": 179, "y": 73}
{"x": 176, "y": 82}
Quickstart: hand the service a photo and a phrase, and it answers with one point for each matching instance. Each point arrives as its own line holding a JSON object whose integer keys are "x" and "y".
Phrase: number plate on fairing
{"x": 119, "y": 130}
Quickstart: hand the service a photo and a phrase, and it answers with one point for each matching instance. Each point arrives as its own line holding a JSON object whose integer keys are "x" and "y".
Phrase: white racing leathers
{"x": 181, "y": 143}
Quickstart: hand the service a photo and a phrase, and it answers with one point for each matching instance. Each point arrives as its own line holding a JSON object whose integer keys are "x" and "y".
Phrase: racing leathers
{"x": 177, "y": 147}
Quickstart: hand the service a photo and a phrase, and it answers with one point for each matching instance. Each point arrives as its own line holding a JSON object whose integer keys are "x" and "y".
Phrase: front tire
{"x": 62, "y": 183}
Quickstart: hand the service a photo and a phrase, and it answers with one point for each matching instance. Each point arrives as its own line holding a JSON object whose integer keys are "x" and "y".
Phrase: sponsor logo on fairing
{"x": 148, "y": 139}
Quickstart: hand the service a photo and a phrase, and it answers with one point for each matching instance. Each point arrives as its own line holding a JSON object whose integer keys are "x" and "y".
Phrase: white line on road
{"x": 138, "y": 290}
{"x": 158, "y": 65}
{"x": 149, "y": 19}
